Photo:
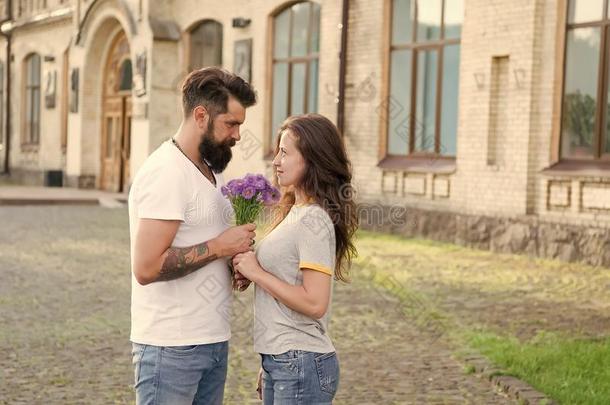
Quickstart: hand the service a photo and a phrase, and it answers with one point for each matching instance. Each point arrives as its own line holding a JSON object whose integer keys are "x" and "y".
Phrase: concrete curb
{"x": 104, "y": 202}
{"x": 48, "y": 201}
{"x": 515, "y": 388}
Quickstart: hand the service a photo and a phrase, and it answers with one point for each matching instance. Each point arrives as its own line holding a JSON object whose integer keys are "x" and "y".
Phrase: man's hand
{"x": 237, "y": 239}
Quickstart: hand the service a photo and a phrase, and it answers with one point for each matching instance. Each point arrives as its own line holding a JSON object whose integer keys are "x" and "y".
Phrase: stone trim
{"x": 512, "y": 386}
{"x": 520, "y": 235}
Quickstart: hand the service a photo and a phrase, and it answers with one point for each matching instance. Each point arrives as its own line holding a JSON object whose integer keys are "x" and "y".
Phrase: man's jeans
{"x": 180, "y": 374}
{"x": 300, "y": 377}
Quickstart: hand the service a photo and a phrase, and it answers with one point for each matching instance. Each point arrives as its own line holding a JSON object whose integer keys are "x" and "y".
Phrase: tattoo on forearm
{"x": 183, "y": 261}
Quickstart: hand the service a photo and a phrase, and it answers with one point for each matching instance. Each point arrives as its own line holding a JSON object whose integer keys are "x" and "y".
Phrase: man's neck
{"x": 189, "y": 144}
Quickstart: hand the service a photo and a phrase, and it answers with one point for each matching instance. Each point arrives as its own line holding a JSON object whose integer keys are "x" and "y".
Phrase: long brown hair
{"x": 326, "y": 181}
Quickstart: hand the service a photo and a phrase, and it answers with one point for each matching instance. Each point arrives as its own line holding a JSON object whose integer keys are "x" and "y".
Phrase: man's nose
{"x": 236, "y": 135}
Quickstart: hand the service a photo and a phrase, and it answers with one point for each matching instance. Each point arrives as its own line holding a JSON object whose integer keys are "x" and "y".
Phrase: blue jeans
{"x": 300, "y": 377}
{"x": 180, "y": 374}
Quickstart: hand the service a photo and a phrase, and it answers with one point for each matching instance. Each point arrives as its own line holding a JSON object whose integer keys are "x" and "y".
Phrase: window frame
{"x": 290, "y": 61}
{"x": 27, "y": 121}
{"x": 413, "y": 157}
{"x": 2, "y": 104}
{"x": 599, "y": 158}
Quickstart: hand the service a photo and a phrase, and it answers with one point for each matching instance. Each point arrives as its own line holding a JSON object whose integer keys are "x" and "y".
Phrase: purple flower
{"x": 275, "y": 195}
{"x": 248, "y": 192}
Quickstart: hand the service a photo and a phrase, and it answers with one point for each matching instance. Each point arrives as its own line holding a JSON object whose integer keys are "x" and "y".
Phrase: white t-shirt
{"x": 194, "y": 309}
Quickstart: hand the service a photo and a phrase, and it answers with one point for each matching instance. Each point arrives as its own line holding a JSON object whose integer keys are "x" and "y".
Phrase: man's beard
{"x": 217, "y": 155}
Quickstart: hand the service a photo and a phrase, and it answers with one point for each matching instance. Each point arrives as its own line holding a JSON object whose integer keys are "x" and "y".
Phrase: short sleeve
{"x": 316, "y": 241}
{"x": 162, "y": 193}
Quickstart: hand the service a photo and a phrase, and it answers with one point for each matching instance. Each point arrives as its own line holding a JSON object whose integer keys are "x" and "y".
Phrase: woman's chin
{"x": 282, "y": 183}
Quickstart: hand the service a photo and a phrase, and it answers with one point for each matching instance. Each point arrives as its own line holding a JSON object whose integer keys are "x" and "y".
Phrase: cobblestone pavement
{"x": 64, "y": 324}
{"x": 505, "y": 293}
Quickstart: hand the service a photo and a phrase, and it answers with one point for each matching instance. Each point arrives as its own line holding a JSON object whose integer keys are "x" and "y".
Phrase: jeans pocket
{"x": 287, "y": 357}
{"x": 180, "y": 350}
{"x": 327, "y": 366}
{"x": 286, "y": 362}
{"x": 137, "y": 352}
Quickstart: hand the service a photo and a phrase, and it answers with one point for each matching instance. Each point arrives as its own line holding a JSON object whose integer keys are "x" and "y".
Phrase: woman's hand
{"x": 240, "y": 283}
{"x": 259, "y": 384}
{"x": 247, "y": 265}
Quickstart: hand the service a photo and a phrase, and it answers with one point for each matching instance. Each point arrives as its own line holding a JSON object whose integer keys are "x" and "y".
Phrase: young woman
{"x": 294, "y": 265}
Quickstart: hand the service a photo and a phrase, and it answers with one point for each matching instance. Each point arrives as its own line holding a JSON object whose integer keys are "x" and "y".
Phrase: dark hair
{"x": 211, "y": 86}
{"x": 326, "y": 181}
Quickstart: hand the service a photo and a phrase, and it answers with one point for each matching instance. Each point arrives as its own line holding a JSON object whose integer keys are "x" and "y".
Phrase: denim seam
{"x": 157, "y": 375}
{"x": 301, "y": 365}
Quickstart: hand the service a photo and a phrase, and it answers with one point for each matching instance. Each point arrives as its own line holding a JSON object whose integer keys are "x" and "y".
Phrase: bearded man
{"x": 181, "y": 240}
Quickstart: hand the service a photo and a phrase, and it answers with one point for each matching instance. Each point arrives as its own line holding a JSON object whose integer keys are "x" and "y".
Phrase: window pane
{"x": 281, "y": 34}
{"x": 449, "y": 109}
{"x": 28, "y": 71}
{"x": 280, "y": 97}
{"x": 606, "y": 141}
{"x": 35, "y": 115}
{"x": 425, "y": 107}
{"x": 399, "y": 103}
{"x": 297, "y": 89}
{"x": 585, "y": 10}
{"x": 454, "y": 16}
{"x": 315, "y": 29}
{"x": 31, "y": 70}
{"x": 1, "y": 102}
{"x": 28, "y": 116}
{"x": 428, "y": 20}
{"x": 125, "y": 79}
{"x": 579, "y": 100}
{"x": 402, "y": 21}
{"x": 206, "y": 45}
{"x": 36, "y": 70}
{"x": 300, "y": 29}
{"x": 312, "y": 97}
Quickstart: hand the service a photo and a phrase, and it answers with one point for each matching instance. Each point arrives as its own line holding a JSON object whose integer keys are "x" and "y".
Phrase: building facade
{"x": 478, "y": 122}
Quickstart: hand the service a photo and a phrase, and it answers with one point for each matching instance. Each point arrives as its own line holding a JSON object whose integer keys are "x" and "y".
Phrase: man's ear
{"x": 201, "y": 116}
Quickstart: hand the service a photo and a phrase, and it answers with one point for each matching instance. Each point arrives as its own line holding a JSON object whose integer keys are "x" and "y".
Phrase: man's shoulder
{"x": 161, "y": 159}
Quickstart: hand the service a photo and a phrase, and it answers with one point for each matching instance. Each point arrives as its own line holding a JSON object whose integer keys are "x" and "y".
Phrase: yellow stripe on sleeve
{"x": 315, "y": 267}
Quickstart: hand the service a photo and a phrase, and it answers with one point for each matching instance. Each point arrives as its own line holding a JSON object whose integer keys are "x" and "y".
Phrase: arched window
{"x": 422, "y": 104}
{"x": 296, "y": 44}
{"x": 31, "y": 95}
{"x": 205, "y": 47}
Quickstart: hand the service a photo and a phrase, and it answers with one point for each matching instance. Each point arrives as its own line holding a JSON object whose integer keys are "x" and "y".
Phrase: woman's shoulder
{"x": 315, "y": 218}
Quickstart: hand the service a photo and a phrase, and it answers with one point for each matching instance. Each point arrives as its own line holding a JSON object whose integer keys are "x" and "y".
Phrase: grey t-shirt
{"x": 305, "y": 238}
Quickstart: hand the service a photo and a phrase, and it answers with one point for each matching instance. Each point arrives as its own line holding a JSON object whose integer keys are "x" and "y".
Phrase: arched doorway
{"x": 116, "y": 116}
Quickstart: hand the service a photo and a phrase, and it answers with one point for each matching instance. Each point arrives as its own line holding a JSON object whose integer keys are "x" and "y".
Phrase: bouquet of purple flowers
{"x": 249, "y": 195}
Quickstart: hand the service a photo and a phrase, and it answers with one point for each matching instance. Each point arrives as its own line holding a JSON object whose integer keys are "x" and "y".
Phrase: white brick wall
{"x": 517, "y": 109}
{"x": 27, "y": 40}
